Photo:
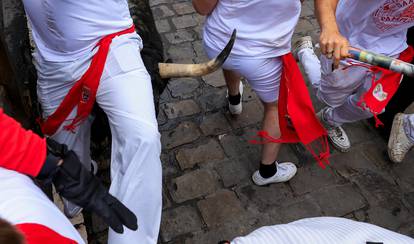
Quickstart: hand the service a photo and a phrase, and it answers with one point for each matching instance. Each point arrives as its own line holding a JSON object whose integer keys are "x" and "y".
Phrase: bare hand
{"x": 334, "y": 45}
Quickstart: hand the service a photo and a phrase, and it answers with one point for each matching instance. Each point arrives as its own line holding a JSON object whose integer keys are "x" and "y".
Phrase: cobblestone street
{"x": 207, "y": 160}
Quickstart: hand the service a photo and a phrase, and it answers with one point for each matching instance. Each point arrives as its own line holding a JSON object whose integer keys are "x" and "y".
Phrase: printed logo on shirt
{"x": 393, "y": 14}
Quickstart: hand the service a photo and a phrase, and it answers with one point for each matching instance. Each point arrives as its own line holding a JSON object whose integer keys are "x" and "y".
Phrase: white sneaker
{"x": 300, "y": 44}
{"x": 336, "y": 134}
{"x": 285, "y": 172}
{"x": 398, "y": 144}
{"x": 236, "y": 109}
{"x": 70, "y": 209}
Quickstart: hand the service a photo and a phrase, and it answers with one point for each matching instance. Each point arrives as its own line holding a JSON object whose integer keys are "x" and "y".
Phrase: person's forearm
{"x": 204, "y": 7}
{"x": 20, "y": 150}
{"x": 325, "y": 13}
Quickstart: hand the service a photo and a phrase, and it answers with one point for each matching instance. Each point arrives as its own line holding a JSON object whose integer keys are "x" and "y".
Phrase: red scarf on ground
{"x": 83, "y": 93}
{"x": 384, "y": 88}
{"x": 297, "y": 119}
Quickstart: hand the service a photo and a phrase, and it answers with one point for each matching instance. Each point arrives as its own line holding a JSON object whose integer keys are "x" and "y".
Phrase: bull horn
{"x": 171, "y": 70}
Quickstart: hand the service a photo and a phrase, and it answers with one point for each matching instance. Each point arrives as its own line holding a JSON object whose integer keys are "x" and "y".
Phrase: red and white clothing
{"x": 29, "y": 209}
{"x": 264, "y": 32}
{"x": 23, "y": 153}
{"x": 378, "y": 26}
{"x": 124, "y": 93}
{"x": 323, "y": 230}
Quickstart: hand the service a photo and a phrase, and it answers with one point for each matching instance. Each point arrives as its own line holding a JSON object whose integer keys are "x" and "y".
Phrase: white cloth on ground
{"x": 22, "y": 202}
{"x": 264, "y": 27}
{"x": 125, "y": 95}
{"x": 68, "y": 30}
{"x": 323, "y": 230}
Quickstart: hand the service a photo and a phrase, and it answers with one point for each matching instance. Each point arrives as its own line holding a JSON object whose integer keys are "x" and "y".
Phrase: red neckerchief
{"x": 83, "y": 92}
{"x": 297, "y": 119}
{"x": 383, "y": 88}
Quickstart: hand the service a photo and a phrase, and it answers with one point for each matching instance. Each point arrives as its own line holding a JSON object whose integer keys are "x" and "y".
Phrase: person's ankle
{"x": 234, "y": 100}
{"x": 268, "y": 170}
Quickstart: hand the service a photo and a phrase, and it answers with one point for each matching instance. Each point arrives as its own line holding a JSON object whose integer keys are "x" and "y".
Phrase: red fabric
{"x": 383, "y": 89}
{"x": 297, "y": 119}
{"x": 40, "y": 234}
{"x": 20, "y": 150}
{"x": 83, "y": 93}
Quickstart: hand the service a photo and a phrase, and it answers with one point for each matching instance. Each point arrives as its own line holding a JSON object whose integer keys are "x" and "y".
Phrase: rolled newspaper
{"x": 382, "y": 61}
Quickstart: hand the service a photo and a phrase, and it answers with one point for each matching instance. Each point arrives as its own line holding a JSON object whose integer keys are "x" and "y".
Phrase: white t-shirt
{"x": 64, "y": 30}
{"x": 264, "y": 27}
{"x": 377, "y": 25}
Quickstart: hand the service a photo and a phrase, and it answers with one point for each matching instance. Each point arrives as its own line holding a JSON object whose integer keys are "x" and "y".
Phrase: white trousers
{"x": 263, "y": 74}
{"x": 341, "y": 89}
{"x": 323, "y": 230}
{"x": 22, "y": 202}
{"x": 125, "y": 94}
{"x": 409, "y": 126}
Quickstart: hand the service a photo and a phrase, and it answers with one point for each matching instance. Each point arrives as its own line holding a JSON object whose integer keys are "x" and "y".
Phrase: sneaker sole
{"x": 396, "y": 123}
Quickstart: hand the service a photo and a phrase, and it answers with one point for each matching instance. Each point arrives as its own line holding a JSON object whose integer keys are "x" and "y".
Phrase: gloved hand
{"x": 74, "y": 182}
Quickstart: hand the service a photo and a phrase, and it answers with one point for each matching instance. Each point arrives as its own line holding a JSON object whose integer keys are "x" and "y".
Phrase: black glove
{"x": 74, "y": 182}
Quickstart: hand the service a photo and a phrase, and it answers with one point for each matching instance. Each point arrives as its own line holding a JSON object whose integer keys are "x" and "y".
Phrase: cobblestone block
{"x": 338, "y": 200}
{"x": 252, "y": 114}
{"x": 226, "y": 231}
{"x": 180, "y": 36}
{"x": 236, "y": 146}
{"x": 181, "y": 51}
{"x": 214, "y": 124}
{"x": 215, "y": 79}
{"x": 158, "y": 2}
{"x": 162, "y": 25}
{"x": 183, "y": 8}
{"x": 211, "y": 151}
{"x": 249, "y": 94}
{"x": 299, "y": 209}
{"x": 220, "y": 207}
{"x": 311, "y": 178}
{"x": 193, "y": 185}
{"x": 161, "y": 12}
{"x": 178, "y": 221}
{"x": 212, "y": 101}
{"x": 405, "y": 172}
{"x": 359, "y": 132}
{"x": 185, "y": 132}
{"x": 232, "y": 172}
{"x": 183, "y": 88}
{"x": 185, "y": 21}
{"x": 387, "y": 218}
{"x": 377, "y": 189}
{"x": 305, "y": 26}
{"x": 168, "y": 166}
{"x": 181, "y": 109}
{"x": 264, "y": 198}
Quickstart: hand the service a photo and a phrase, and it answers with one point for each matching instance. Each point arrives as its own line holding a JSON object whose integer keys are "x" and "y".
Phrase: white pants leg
{"x": 340, "y": 89}
{"x": 125, "y": 94}
{"x": 21, "y": 201}
{"x": 311, "y": 66}
{"x": 409, "y": 126}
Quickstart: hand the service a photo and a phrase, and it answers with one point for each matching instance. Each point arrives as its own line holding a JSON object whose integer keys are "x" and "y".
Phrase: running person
{"x": 347, "y": 87}
{"x": 87, "y": 50}
{"x": 264, "y": 32}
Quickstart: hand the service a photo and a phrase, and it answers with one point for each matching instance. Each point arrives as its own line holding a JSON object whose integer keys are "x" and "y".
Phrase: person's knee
{"x": 142, "y": 134}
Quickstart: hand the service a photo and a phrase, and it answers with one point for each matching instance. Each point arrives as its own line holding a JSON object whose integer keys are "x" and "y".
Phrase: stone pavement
{"x": 207, "y": 160}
